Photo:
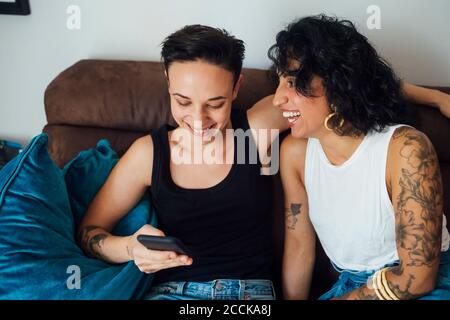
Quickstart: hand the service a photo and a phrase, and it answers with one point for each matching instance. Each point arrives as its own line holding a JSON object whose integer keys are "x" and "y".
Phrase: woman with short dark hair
{"x": 220, "y": 210}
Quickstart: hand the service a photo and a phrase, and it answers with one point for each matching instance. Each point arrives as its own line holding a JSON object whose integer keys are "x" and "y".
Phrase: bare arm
{"x": 431, "y": 97}
{"x": 299, "y": 244}
{"x": 266, "y": 122}
{"x": 124, "y": 187}
{"x": 266, "y": 115}
{"x": 417, "y": 196}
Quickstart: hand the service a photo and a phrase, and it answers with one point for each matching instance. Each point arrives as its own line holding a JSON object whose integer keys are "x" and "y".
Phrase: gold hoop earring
{"x": 331, "y": 115}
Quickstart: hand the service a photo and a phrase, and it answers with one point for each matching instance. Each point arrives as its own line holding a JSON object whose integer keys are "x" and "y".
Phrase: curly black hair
{"x": 199, "y": 42}
{"x": 358, "y": 82}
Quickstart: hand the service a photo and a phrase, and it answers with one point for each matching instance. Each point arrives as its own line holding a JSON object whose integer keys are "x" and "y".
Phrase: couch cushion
{"x": 38, "y": 252}
{"x": 125, "y": 95}
{"x": 87, "y": 173}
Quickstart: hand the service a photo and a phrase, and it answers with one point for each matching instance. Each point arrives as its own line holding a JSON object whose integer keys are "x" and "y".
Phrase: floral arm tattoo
{"x": 418, "y": 216}
{"x": 420, "y": 186}
{"x": 419, "y": 210}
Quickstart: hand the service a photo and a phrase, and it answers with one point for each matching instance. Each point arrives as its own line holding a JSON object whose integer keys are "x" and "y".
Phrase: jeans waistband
{"x": 359, "y": 276}
{"x": 219, "y": 289}
{"x": 354, "y": 274}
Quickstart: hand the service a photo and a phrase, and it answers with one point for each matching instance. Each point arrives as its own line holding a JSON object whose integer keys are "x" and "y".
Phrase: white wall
{"x": 414, "y": 37}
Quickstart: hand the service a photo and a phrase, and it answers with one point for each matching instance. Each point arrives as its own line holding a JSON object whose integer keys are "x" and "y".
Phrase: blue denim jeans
{"x": 350, "y": 280}
{"x": 221, "y": 289}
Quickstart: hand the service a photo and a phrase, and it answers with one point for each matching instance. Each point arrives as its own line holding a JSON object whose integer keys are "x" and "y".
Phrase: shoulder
{"x": 293, "y": 151}
{"x": 404, "y": 132}
{"x": 406, "y": 140}
{"x": 411, "y": 149}
{"x": 139, "y": 157}
{"x": 142, "y": 146}
{"x": 293, "y": 146}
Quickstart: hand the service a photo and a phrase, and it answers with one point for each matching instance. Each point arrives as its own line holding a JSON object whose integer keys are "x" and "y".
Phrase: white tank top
{"x": 349, "y": 205}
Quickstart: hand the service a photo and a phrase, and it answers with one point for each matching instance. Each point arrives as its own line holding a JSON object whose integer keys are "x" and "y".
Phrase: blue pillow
{"x": 38, "y": 254}
{"x": 85, "y": 175}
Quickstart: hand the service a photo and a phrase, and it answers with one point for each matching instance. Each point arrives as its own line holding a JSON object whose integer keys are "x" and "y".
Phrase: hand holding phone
{"x": 152, "y": 251}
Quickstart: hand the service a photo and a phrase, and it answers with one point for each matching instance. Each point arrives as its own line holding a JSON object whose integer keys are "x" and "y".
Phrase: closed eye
{"x": 184, "y": 104}
{"x": 216, "y": 106}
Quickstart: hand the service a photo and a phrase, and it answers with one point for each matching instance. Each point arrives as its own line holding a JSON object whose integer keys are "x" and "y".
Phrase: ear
{"x": 237, "y": 86}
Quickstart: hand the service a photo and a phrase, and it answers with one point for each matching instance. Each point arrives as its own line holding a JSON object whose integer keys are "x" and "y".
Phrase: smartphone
{"x": 163, "y": 243}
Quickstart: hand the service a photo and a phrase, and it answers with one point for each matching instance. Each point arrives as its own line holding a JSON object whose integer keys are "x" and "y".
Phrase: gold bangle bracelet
{"x": 386, "y": 285}
{"x": 380, "y": 287}
{"x": 375, "y": 286}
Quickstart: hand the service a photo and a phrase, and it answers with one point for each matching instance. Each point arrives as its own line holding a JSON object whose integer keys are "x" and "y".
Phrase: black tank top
{"x": 227, "y": 227}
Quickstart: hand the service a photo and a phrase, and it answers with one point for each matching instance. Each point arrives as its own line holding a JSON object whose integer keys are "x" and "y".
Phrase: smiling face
{"x": 306, "y": 115}
{"x": 201, "y": 95}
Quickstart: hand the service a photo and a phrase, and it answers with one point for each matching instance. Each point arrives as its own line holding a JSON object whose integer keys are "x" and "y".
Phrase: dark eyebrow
{"x": 211, "y": 99}
{"x": 180, "y": 95}
{"x": 217, "y": 98}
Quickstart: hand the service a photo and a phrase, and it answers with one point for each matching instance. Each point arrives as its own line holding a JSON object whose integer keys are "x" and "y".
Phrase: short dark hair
{"x": 358, "y": 82}
{"x": 198, "y": 42}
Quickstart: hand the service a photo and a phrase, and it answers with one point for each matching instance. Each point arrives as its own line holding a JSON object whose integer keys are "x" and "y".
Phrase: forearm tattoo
{"x": 395, "y": 287}
{"x": 91, "y": 244}
{"x": 364, "y": 293}
{"x": 291, "y": 215}
{"x": 95, "y": 243}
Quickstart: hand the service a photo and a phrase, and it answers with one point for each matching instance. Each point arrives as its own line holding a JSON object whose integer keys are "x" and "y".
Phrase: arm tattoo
{"x": 96, "y": 243}
{"x": 361, "y": 294}
{"x": 83, "y": 234}
{"x": 419, "y": 210}
{"x": 367, "y": 293}
{"x": 401, "y": 132}
{"x": 420, "y": 185}
{"x": 291, "y": 215}
{"x": 406, "y": 293}
{"x": 89, "y": 243}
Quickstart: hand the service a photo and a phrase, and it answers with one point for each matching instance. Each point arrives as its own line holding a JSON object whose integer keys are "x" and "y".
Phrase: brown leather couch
{"x": 124, "y": 100}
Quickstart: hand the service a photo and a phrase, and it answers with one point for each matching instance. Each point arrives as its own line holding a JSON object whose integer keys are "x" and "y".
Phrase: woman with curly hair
{"x": 367, "y": 185}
